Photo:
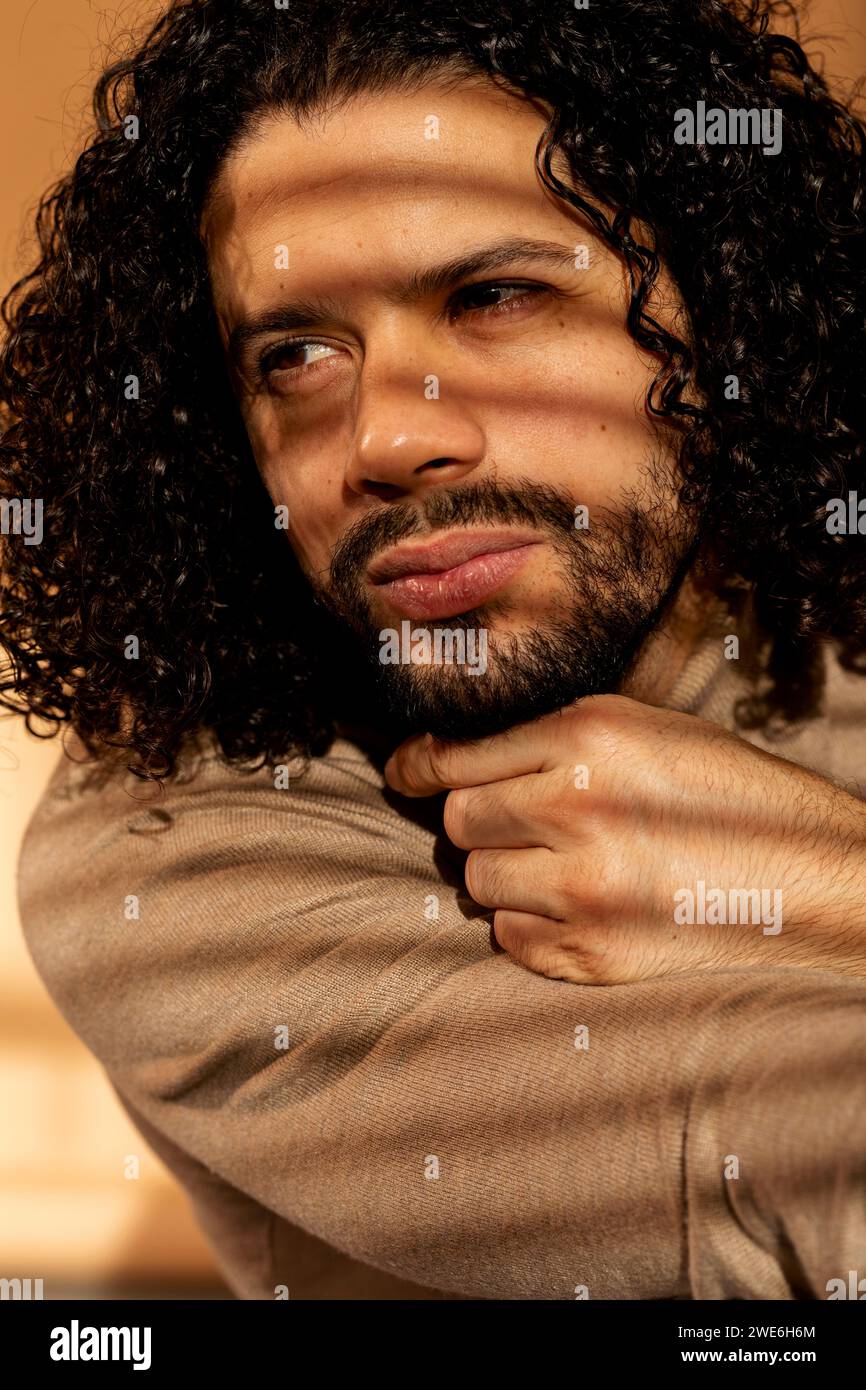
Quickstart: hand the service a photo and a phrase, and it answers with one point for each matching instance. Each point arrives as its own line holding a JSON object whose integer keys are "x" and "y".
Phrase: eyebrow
{"x": 421, "y": 284}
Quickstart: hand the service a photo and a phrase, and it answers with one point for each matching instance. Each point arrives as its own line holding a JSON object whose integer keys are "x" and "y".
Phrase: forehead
{"x": 384, "y": 170}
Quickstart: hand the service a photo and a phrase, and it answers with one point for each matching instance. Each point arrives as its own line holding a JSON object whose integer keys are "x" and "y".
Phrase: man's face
{"x": 431, "y": 360}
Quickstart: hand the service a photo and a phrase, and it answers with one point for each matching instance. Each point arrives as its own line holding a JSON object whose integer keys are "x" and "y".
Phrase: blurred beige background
{"x": 68, "y": 1214}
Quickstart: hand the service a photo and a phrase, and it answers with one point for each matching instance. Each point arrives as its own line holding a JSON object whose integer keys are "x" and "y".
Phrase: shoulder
{"x": 832, "y": 743}
{"x": 845, "y": 706}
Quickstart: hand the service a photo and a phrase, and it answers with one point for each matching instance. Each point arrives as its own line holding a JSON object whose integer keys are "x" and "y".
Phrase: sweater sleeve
{"x": 289, "y": 983}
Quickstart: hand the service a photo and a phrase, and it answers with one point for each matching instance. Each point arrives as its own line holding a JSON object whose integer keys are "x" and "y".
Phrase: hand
{"x": 616, "y": 841}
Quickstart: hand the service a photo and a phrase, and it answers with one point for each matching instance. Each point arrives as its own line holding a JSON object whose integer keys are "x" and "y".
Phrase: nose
{"x": 413, "y": 430}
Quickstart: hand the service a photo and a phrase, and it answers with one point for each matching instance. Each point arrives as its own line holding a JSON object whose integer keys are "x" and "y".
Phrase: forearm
{"x": 305, "y": 1010}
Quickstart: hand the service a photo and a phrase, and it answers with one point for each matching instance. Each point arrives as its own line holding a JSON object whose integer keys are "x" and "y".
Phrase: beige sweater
{"x": 304, "y": 1014}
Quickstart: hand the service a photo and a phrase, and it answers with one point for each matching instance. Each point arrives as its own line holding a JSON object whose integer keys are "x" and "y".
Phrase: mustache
{"x": 524, "y": 502}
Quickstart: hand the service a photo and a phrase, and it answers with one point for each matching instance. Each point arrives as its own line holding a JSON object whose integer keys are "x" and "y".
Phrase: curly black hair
{"x": 156, "y": 523}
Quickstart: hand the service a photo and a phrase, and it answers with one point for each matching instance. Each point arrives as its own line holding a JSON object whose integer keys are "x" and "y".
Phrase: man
{"x": 554, "y": 399}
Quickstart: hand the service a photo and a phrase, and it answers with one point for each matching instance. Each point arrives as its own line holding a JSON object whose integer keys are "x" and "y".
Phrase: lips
{"x": 451, "y": 575}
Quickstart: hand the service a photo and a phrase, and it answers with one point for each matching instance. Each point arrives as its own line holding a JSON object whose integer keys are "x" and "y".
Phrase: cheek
{"x": 581, "y": 423}
{"x": 300, "y": 478}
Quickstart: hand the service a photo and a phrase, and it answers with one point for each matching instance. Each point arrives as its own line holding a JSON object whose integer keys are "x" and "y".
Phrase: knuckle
{"x": 585, "y": 821}
{"x": 510, "y": 937}
{"x": 563, "y": 813}
{"x": 412, "y": 772}
{"x": 454, "y": 818}
{"x": 483, "y": 875}
{"x": 559, "y": 961}
{"x": 605, "y": 724}
{"x": 591, "y": 962}
{"x": 592, "y": 821}
{"x": 439, "y": 760}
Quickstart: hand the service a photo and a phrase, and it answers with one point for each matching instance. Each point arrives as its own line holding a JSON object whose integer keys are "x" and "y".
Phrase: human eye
{"x": 496, "y": 297}
{"x": 286, "y": 363}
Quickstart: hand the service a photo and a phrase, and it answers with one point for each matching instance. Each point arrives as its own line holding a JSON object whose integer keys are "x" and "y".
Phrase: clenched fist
{"x": 617, "y": 841}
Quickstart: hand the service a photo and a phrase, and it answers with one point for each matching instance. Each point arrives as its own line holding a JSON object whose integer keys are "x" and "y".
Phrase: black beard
{"x": 621, "y": 575}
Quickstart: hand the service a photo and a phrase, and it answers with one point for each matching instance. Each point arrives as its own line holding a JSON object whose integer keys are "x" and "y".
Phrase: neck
{"x": 668, "y": 648}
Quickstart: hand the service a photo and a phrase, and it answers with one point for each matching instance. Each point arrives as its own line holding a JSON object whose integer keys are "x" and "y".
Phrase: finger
{"x": 425, "y": 765}
{"x": 524, "y": 880}
{"x": 536, "y": 942}
{"x": 504, "y": 815}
